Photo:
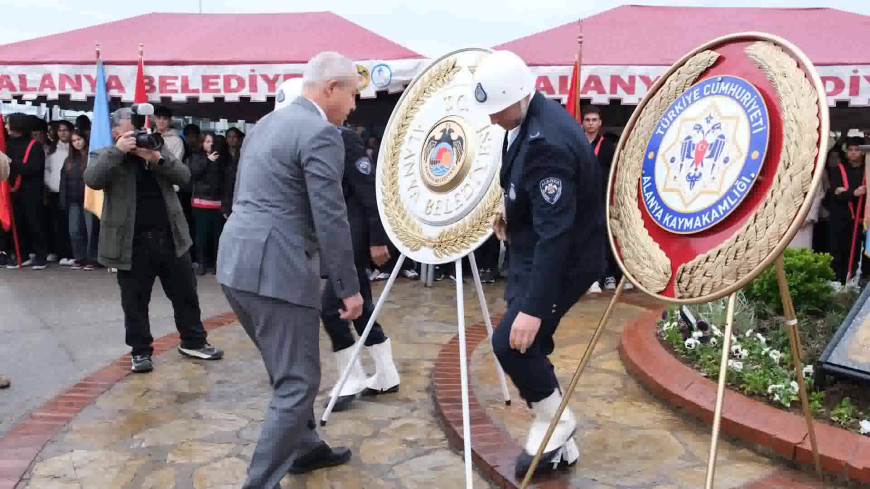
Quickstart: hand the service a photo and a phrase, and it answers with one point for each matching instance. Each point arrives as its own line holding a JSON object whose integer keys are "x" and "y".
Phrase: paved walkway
{"x": 57, "y": 325}
{"x": 628, "y": 439}
{"x": 193, "y": 425}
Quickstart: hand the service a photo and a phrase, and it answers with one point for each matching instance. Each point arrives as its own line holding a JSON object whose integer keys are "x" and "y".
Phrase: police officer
{"x": 369, "y": 244}
{"x": 554, "y": 222}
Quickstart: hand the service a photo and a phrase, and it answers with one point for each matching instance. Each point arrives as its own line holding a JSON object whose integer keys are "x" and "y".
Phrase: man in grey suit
{"x": 289, "y": 220}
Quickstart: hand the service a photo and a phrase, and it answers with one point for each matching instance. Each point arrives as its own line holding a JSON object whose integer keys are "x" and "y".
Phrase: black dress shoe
{"x": 550, "y": 463}
{"x": 320, "y": 457}
{"x": 343, "y": 403}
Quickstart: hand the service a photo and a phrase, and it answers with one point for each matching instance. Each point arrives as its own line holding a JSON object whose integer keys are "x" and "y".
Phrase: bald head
{"x": 330, "y": 80}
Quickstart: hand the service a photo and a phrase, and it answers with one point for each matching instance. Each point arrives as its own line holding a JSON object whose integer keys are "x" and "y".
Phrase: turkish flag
{"x": 572, "y": 104}
{"x": 140, "y": 97}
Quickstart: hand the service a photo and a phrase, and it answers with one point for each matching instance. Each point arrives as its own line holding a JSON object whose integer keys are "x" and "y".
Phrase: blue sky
{"x": 460, "y": 24}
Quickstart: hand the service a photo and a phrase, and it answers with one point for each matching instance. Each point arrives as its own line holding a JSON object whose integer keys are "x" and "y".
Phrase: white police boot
{"x": 356, "y": 379}
{"x": 386, "y": 377}
{"x": 561, "y": 451}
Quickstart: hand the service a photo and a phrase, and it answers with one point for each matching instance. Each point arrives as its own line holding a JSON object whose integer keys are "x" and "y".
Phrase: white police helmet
{"x": 289, "y": 91}
{"x": 501, "y": 80}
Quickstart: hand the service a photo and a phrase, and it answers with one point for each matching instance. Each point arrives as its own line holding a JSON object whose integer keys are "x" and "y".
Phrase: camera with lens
{"x": 145, "y": 139}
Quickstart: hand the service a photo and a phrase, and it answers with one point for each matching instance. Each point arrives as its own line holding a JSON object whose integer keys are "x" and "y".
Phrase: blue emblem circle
{"x": 381, "y": 75}
{"x": 705, "y": 154}
{"x": 438, "y": 166}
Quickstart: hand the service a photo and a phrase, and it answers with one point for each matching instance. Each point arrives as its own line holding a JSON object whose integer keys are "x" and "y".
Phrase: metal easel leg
{"x": 463, "y": 369}
{"x": 584, "y": 361}
{"x": 720, "y": 392}
{"x": 794, "y": 341}
{"x": 486, "y": 319}
{"x": 362, "y": 339}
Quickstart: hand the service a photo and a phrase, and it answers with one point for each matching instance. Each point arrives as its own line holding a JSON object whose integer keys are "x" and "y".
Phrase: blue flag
{"x": 101, "y": 136}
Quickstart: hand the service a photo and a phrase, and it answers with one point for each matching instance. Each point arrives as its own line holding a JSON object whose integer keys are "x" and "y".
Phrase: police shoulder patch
{"x": 551, "y": 189}
{"x": 364, "y": 165}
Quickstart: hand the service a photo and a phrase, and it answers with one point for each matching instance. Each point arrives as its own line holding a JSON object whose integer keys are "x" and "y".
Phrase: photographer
{"x": 144, "y": 235}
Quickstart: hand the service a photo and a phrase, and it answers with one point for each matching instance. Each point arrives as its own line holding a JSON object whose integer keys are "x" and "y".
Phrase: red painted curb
{"x": 22, "y": 443}
{"x": 843, "y": 453}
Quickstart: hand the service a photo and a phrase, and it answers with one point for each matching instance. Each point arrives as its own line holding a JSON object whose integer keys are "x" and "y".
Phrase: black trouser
{"x": 532, "y": 372}
{"x": 841, "y": 229}
{"x": 57, "y": 227}
{"x": 154, "y": 256}
{"x": 29, "y": 219}
{"x": 337, "y": 328}
{"x": 209, "y": 225}
{"x": 387, "y": 267}
{"x": 186, "y": 198}
{"x": 487, "y": 255}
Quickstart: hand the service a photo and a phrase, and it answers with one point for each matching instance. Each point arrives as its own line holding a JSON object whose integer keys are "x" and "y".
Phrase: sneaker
{"x": 374, "y": 273}
{"x": 77, "y": 265}
{"x": 141, "y": 363}
{"x": 594, "y": 289}
{"x": 113, "y": 270}
{"x": 438, "y": 275}
{"x": 487, "y": 276}
{"x": 610, "y": 283}
{"x": 452, "y": 276}
{"x": 28, "y": 262}
{"x": 380, "y": 277}
{"x": 628, "y": 286}
{"x": 207, "y": 352}
{"x": 4, "y": 382}
{"x": 411, "y": 274}
{"x": 66, "y": 262}
{"x": 52, "y": 257}
{"x": 39, "y": 264}
{"x": 90, "y": 266}
{"x": 5, "y": 259}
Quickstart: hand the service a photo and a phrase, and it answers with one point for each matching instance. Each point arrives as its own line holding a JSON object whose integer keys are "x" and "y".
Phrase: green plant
{"x": 816, "y": 400}
{"x": 809, "y": 276}
{"x": 844, "y": 413}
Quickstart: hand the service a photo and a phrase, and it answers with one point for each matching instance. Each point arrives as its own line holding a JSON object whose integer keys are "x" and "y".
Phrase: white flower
{"x": 667, "y": 326}
{"x": 773, "y": 387}
{"x": 760, "y": 338}
{"x": 764, "y": 351}
{"x": 714, "y": 341}
{"x": 735, "y": 348}
{"x": 733, "y": 339}
{"x": 793, "y": 387}
{"x": 697, "y": 334}
{"x": 775, "y": 355}
{"x": 749, "y": 333}
{"x": 735, "y": 365}
{"x": 865, "y": 427}
{"x": 716, "y": 331}
{"x": 743, "y": 353}
{"x": 808, "y": 371}
{"x": 691, "y": 343}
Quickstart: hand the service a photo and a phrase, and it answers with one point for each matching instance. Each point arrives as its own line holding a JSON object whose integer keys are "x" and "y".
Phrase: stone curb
{"x": 20, "y": 446}
{"x": 841, "y": 452}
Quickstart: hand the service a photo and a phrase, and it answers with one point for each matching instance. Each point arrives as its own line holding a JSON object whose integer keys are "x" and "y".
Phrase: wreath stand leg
{"x": 584, "y": 361}
{"x": 796, "y": 351}
{"x": 720, "y": 393}
{"x": 488, "y": 321}
{"x": 463, "y": 371}
{"x": 362, "y": 339}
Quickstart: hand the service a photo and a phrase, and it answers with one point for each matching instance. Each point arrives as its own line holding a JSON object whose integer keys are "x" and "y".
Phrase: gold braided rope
{"x": 759, "y": 236}
{"x": 642, "y": 256}
{"x": 451, "y": 240}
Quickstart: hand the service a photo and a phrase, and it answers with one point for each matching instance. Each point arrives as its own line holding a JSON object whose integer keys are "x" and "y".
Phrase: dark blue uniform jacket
{"x": 554, "y": 211}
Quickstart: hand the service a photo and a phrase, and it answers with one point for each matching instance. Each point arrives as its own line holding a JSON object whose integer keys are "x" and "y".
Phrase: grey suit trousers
{"x": 288, "y": 338}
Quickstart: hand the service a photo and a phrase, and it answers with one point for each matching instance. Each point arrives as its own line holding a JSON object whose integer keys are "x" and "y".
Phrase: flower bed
{"x": 760, "y": 364}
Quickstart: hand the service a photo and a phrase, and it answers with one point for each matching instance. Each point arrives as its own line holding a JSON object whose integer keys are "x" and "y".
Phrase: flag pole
{"x": 578, "y": 63}
{"x": 14, "y": 231}
{"x": 141, "y": 59}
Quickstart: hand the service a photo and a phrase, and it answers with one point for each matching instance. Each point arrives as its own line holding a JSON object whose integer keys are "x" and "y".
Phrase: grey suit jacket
{"x": 288, "y": 209}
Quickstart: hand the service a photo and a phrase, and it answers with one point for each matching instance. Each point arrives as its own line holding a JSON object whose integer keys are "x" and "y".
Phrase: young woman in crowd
{"x": 82, "y": 234}
{"x": 208, "y": 172}
{"x": 56, "y": 153}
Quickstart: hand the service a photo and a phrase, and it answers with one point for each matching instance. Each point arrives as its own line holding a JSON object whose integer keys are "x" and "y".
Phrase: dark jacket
{"x": 32, "y": 173}
{"x": 606, "y": 151}
{"x": 72, "y": 181}
{"x": 845, "y": 206}
{"x": 114, "y": 173}
{"x": 553, "y": 206}
{"x": 361, "y": 198}
{"x": 207, "y": 176}
{"x": 230, "y": 184}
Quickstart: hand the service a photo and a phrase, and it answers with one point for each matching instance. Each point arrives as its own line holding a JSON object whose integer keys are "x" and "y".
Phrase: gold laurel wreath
{"x": 641, "y": 255}
{"x": 736, "y": 257}
{"x": 451, "y": 240}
